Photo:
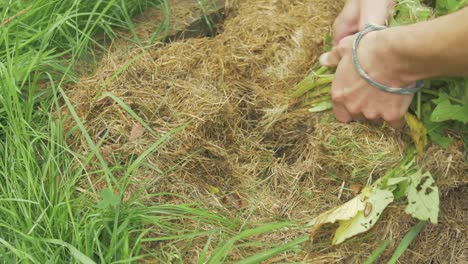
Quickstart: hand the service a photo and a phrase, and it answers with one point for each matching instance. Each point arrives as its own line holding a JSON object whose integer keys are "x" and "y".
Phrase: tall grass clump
{"x": 44, "y": 217}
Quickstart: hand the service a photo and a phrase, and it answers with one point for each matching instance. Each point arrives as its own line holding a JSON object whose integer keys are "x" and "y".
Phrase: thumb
{"x": 330, "y": 59}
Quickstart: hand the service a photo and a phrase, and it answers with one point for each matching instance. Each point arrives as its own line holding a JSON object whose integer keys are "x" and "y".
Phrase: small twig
{"x": 341, "y": 190}
{"x": 20, "y": 13}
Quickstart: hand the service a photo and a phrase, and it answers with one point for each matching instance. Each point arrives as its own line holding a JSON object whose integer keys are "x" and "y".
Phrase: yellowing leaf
{"x": 343, "y": 212}
{"x": 214, "y": 190}
{"x": 377, "y": 201}
{"x": 418, "y": 132}
{"x": 357, "y": 215}
{"x": 423, "y": 197}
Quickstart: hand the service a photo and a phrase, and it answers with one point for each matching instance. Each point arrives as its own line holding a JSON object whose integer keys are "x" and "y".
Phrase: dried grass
{"x": 246, "y": 145}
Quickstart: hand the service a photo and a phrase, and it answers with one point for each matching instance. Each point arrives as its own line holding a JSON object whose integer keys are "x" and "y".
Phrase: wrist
{"x": 401, "y": 52}
{"x": 378, "y": 60}
{"x": 392, "y": 50}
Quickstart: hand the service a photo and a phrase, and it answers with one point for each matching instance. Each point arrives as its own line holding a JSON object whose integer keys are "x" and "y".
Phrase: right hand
{"x": 353, "y": 97}
{"x": 357, "y": 13}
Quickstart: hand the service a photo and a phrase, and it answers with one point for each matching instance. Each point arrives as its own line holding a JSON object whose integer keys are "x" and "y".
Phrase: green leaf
{"x": 436, "y": 130}
{"x": 327, "y": 42}
{"x": 377, "y": 201}
{"x": 444, "y": 7}
{"x": 401, "y": 190}
{"x": 423, "y": 197}
{"x": 445, "y": 111}
{"x": 410, "y": 12}
{"x": 109, "y": 199}
{"x": 78, "y": 255}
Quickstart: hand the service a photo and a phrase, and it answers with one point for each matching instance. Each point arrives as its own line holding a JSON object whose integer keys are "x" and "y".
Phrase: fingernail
{"x": 324, "y": 59}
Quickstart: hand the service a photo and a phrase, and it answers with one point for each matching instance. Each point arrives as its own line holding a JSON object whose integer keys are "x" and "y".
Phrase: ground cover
{"x": 192, "y": 151}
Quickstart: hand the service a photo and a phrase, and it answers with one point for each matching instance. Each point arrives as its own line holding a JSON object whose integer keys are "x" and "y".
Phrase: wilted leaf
{"x": 343, "y": 212}
{"x": 136, "y": 132}
{"x": 423, "y": 197}
{"x": 356, "y": 188}
{"x": 357, "y": 215}
{"x": 377, "y": 201}
{"x": 418, "y": 132}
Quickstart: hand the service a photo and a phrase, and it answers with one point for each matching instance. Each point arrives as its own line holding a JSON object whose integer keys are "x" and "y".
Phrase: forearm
{"x": 429, "y": 49}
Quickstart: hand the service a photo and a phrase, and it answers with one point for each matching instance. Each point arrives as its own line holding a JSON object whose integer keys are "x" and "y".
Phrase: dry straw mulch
{"x": 245, "y": 145}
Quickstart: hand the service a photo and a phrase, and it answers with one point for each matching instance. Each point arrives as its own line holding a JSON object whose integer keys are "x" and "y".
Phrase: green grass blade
{"x": 377, "y": 252}
{"x": 220, "y": 253}
{"x": 406, "y": 241}
{"x": 262, "y": 256}
{"x": 73, "y": 251}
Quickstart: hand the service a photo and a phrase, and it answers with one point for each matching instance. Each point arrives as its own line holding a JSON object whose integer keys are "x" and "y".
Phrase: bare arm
{"x": 396, "y": 57}
{"x": 429, "y": 49}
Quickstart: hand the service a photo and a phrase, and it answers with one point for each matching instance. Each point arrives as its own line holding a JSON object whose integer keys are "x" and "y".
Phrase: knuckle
{"x": 344, "y": 46}
{"x": 341, "y": 47}
{"x": 343, "y": 119}
{"x": 371, "y": 115}
{"x": 391, "y": 116}
{"x": 353, "y": 109}
{"x": 336, "y": 96}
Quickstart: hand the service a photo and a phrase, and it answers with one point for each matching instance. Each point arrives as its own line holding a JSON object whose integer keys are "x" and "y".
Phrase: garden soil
{"x": 239, "y": 145}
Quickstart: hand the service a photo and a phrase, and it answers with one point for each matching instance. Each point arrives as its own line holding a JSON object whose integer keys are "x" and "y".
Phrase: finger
{"x": 343, "y": 30}
{"x": 330, "y": 59}
{"x": 374, "y": 12}
{"x": 372, "y": 116}
{"x": 347, "y": 22}
{"x": 341, "y": 114}
{"x": 398, "y": 123}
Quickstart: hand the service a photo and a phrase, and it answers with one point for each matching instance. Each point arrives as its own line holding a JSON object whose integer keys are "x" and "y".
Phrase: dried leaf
{"x": 364, "y": 220}
{"x": 357, "y": 215}
{"x": 343, "y": 212}
{"x": 136, "y": 132}
{"x": 356, "y": 188}
{"x": 418, "y": 132}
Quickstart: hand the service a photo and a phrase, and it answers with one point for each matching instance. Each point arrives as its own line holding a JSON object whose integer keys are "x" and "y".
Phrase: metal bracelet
{"x": 369, "y": 28}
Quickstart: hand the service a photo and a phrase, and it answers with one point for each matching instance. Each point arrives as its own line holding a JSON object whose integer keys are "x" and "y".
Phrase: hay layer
{"x": 245, "y": 144}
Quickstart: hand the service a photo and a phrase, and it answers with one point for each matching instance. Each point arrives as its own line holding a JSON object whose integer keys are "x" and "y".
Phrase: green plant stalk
{"x": 309, "y": 83}
{"x": 406, "y": 241}
{"x": 318, "y": 92}
{"x": 315, "y": 101}
{"x": 377, "y": 252}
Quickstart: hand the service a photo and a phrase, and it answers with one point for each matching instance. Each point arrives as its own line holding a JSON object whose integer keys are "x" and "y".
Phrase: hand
{"x": 357, "y": 13}
{"x": 355, "y": 99}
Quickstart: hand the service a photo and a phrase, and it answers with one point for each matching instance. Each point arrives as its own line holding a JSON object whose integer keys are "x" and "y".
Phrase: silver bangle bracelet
{"x": 369, "y": 28}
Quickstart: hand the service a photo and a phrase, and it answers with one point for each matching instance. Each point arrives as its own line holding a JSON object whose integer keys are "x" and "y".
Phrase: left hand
{"x": 355, "y": 99}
